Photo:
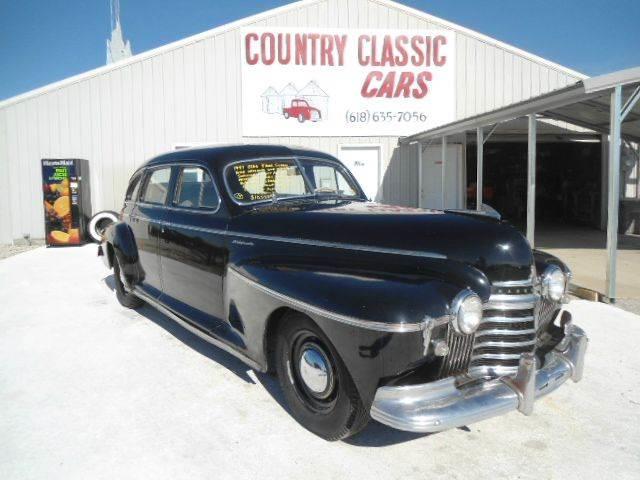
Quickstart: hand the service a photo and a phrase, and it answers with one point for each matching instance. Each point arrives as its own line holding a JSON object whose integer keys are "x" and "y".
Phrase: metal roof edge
{"x": 156, "y": 51}
{"x": 266, "y": 14}
{"x": 587, "y": 88}
{"x": 609, "y": 80}
{"x": 508, "y": 112}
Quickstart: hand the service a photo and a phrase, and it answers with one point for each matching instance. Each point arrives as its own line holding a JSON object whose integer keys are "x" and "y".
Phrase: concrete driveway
{"x": 89, "y": 389}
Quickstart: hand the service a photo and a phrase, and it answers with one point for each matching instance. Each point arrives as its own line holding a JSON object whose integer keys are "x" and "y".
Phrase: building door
{"x": 431, "y": 193}
{"x": 364, "y": 162}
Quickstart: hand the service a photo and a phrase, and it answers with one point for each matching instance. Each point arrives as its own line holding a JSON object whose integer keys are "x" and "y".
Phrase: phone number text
{"x": 368, "y": 116}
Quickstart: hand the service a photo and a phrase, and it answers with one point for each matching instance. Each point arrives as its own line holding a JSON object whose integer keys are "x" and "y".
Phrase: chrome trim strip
{"x": 300, "y": 241}
{"x": 496, "y": 356}
{"x": 338, "y": 245}
{"x": 355, "y": 322}
{"x": 490, "y": 305}
{"x": 192, "y": 227}
{"x": 481, "y": 333}
{"x": 507, "y": 319}
{"x": 504, "y": 344}
{"x": 507, "y": 299}
{"x": 206, "y": 337}
{"x": 514, "y": 283}
{"x": 490, "y": 371}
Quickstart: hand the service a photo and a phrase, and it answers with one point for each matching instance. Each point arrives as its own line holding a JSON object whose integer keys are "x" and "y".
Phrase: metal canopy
{"x": 608, "y": 105}
{"x": 586, "y": 103}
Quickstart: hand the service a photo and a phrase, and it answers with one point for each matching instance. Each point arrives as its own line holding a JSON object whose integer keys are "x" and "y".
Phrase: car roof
{"x": 218, "y": 156}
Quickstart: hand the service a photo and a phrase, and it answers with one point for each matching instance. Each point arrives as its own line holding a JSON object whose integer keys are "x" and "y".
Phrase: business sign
{"x": 345, "y": 82}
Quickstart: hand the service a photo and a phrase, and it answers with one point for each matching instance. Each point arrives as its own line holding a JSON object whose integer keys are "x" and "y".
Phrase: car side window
{"x": 195, "y": 189}
{"x": 157, "y": 186}
{"x": 134, "y": 187}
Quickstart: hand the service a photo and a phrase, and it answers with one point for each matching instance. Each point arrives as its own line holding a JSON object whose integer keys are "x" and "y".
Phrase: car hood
{"x": 492, "y": 246}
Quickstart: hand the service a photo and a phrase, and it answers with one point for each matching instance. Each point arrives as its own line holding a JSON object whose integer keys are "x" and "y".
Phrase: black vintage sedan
{"x": 424, "y": 320}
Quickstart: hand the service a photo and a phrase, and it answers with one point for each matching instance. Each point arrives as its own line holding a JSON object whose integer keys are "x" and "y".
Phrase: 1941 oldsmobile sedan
{"x": 424, "y": 320}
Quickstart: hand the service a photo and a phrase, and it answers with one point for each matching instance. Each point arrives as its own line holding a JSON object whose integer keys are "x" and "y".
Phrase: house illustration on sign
{"x": 316, "y": 97}
{"x": 312, "y": 96}
{"x": 271, "y": 102}
{"x": 287, "y": 95}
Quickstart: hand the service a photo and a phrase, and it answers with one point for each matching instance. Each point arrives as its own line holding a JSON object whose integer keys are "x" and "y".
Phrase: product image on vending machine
{"x": 67, "y": 200}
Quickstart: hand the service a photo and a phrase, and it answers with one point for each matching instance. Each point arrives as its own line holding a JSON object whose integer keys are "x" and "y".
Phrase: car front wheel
{"x": 316, "y": 384}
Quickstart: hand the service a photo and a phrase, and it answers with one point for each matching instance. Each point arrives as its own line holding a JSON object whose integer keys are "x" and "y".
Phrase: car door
{"x": 193, "y": 250}
{"x": 146, "y": 220}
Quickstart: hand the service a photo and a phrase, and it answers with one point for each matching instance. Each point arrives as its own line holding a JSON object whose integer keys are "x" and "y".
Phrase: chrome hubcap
{"x": 315, "y": 371}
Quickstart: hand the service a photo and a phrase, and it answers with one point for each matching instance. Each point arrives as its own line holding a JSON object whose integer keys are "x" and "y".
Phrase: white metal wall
{"x": 119, "y": 116}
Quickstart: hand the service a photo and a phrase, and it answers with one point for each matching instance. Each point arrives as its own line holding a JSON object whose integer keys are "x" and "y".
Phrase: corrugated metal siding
{"x": 5, "y": 211}
{"x": 191, "y": 93}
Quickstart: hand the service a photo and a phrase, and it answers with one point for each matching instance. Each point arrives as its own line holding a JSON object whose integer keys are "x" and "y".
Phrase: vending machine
{"x": 67, "y": 200}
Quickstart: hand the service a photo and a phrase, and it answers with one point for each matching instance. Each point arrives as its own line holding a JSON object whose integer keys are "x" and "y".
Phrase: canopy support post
{"x": 531, "y": 180}
{"x": 444, "y": 167}
{"x": 419, "y": 174}
{"x": 479, "y": 167}
{"x": 615, "y": 122}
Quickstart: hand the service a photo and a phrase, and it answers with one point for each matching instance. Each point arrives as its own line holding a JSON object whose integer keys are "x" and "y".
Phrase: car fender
{"x": 121, "y": 243}
{"x": 375, "y": 321}
{"x": 543, "y": 260}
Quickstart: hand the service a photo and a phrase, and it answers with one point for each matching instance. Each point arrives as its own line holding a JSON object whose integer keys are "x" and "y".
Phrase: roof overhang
{"x": 586, "y": 103}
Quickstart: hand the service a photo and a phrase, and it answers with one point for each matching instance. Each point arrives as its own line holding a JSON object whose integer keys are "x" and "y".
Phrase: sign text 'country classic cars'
{"x": 326, "y": 82}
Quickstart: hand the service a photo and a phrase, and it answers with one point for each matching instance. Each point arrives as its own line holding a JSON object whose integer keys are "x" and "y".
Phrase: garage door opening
{"x": 571, "y": 210}
{"x": 569, "y": 183}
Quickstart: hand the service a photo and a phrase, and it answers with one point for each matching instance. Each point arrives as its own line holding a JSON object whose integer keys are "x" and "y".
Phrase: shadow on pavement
{"x": 378, "y": 435}
{"x": 191, "y": 340}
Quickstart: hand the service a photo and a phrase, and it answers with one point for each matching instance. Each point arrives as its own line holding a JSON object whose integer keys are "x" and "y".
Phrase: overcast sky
{"x": 42, "y": 41}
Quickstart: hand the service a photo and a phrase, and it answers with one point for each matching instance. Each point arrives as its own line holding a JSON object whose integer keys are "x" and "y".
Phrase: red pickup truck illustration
{"x": 301, "y": 110}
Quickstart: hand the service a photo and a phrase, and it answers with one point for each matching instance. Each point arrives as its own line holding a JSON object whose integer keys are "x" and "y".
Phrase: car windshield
{"x": 263, "y": 180}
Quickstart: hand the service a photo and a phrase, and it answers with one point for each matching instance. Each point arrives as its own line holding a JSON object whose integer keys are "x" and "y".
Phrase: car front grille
{"x": 508, "y": 329}
{"x": 457, "y": 360}
{"x": 514, "y": 317}
{"x": 547, "y": 311}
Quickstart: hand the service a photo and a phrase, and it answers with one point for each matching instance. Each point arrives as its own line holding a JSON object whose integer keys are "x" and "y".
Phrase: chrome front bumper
{"x": 454, "y": 402}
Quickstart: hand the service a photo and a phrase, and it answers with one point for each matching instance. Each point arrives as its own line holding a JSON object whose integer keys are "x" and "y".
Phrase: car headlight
{"x": 554, "y": 283}
{"x": 466, "y": 312}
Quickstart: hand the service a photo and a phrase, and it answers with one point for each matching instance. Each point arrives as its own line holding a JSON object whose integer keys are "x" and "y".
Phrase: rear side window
{"x": 195, "y": 189}
{"x": 134, "y": 187}
{"x": 157, "y": 186}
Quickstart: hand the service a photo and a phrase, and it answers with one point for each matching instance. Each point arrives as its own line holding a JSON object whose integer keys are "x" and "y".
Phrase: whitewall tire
{"x": 99, "y": 222}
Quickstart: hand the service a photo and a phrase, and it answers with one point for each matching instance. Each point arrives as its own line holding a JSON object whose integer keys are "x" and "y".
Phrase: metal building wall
{"x": 119, "y": 116}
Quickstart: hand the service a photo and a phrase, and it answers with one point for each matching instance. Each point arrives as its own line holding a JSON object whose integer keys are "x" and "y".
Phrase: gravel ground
{"x": 89, "y": 389}
{"x": 7, "y": 251}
